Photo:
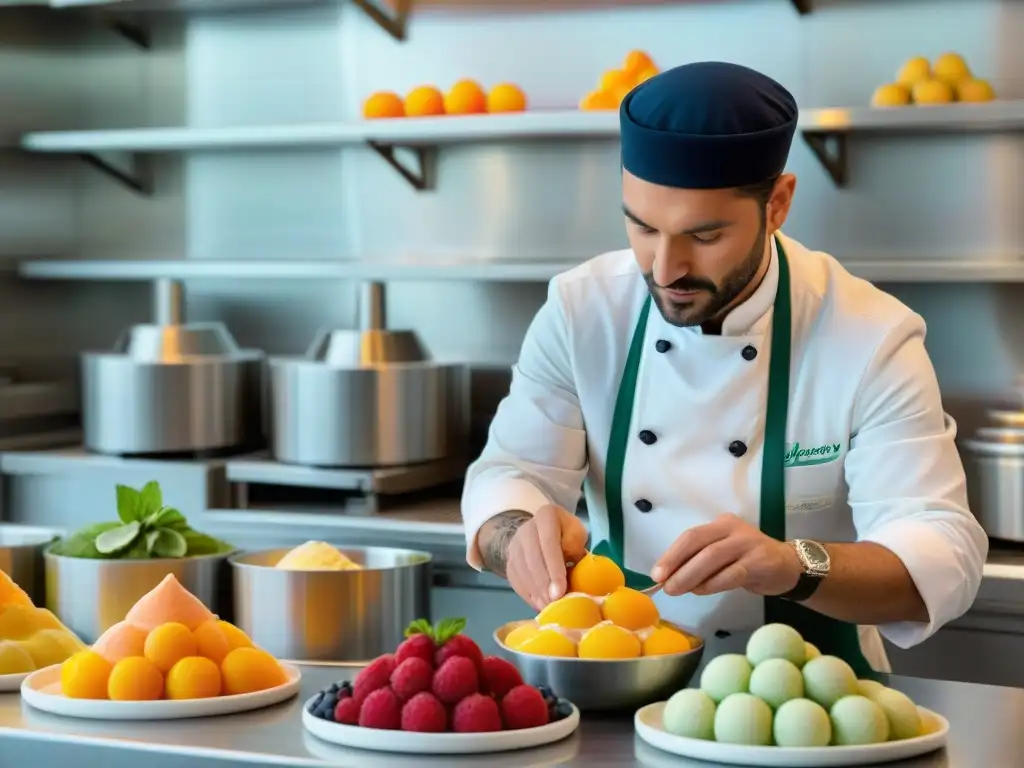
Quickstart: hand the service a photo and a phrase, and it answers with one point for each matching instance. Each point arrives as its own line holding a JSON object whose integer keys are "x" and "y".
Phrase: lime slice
{"x": 117, "y": 539}
{"x": 168, "y": 543}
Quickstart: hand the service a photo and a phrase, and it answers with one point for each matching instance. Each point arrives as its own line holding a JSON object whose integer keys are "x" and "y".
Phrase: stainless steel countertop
{"x": 985, "y": 731}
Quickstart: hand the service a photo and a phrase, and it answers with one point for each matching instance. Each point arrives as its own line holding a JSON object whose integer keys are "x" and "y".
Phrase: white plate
{"x": 41, "y": 690}
{"x": 12, "y": 683}
{"x": 649, "y": 728}
{"x": 437, "y": 743}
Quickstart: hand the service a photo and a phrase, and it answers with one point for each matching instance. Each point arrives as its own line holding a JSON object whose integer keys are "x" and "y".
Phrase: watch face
{"x": 815, "y": 556}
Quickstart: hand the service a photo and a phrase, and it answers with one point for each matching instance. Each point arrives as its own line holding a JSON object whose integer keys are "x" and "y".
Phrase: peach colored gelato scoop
{"x": 168, "y": 601}
{"x": 121, "y": 641}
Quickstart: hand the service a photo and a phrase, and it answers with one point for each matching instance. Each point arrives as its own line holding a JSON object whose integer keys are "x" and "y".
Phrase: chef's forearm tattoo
{"x": 498, "y": 534}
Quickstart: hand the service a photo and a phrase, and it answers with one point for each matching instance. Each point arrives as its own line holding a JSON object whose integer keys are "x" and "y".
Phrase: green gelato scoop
{"x": 725, "y": 675}
{"x": 827, "y": 679}
{"x": 776, "y": 681}
{"x": 744, "y": 719}
{"x": 802, "y": 723}
{"x": 690, "y": 713}
{"x": 858, "y": 720}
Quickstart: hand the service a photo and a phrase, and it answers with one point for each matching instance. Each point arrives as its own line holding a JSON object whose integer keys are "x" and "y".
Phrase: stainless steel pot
{"x": 331, "y": 615}
{"x": 21, "y": 557}
{"x": 367, "y": 398}
{"x": 995, "y": 481}
{"x": 91, "y": 595}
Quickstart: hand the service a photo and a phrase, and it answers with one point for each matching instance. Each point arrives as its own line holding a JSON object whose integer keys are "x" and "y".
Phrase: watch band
{"x": 806, "y": 586}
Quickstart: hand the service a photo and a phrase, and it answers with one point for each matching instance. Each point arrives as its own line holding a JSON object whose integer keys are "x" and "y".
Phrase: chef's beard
{"x": 712, "y": 300}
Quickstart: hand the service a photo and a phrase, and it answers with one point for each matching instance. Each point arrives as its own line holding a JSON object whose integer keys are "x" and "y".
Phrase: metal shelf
{"x": 123, "y": 153}
{"x": 1004, "y": 270}
{"x": 827, "y": 131}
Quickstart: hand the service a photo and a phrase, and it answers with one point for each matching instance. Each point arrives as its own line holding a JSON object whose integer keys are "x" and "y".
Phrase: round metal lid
{"x": 997, "y": 441}
{"x": 176, "y": 343}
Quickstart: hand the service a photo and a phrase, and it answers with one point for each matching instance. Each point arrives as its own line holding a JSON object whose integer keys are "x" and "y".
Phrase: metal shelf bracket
{"x": 422, "y": 175}
{"x": 136, "y": 34}
{"x": 132, "y": 171}
{"x": 803, "y": 7}
{"x": 831, "y": 151}
{"x": 392, "y": 17}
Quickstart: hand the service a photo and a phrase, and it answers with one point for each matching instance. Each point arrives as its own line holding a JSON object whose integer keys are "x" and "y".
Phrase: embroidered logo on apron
{"x": 798, "y": 456}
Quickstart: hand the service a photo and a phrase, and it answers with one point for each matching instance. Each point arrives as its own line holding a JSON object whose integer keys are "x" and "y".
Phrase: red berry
{"x": 460, "y": 645}
{"x": 416, "y": 647}
{"x": 381, "y": 710}
{"x": 412, "y": 676}
{"x": 423, "y": 713}
{"x": 476, "y": 714}
{"x": 455, "y": 680}
{"x": 376, "y": 675}
{"x": 524, "y": 707}
{"x": 498, "y": 676}
{"x": 347, "y": 711}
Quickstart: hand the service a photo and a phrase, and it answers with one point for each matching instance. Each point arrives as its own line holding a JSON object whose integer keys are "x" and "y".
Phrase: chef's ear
{"x": 779, "y": 202}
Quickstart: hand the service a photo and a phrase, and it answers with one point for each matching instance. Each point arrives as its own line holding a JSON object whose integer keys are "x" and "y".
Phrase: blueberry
{"x": 316, "y": 701}
{"x": 325, "y": 713}
{"x": 544, "y": 691}
{"x": 347, "y": 687}
{"x": 333, "y": 688}
{"x": 563, "y": 709}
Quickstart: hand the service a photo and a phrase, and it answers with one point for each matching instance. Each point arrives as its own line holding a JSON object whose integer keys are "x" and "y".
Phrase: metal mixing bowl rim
{"x": 576, "y": 659}
{"x": 234, "y": 560}
{"x": 137, "y": 560}
{"x": 238, "y": 356}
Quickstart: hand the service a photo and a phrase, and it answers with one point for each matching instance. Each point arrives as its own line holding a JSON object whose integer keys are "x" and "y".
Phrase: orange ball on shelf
{"x": 424, "y": 101}
{"x": 466, "y": 97}
{"x": 506, "y": 97}
{"x": 599, "y": 100}
{"x": 615, "y": 78}
{"x": 637, "y": 61}
{"x": 135, "y": 679}
{"x": 383, "y": 104}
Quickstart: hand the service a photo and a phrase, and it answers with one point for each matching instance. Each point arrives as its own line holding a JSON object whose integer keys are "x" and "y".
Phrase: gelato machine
{"x": 369, "y": 397}
{"x": 171, "y": 387}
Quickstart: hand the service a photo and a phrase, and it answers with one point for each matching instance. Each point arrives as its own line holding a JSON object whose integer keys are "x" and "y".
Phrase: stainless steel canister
{"x": 21, "y": 557}
{"x": 995, "y": 481}
{"x": 90, "y": 595}
{"x": 351, "y": 615}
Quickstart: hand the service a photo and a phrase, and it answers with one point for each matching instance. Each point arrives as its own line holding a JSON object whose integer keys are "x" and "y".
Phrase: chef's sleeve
{"x": 906, "y": 482}
{"x": 536, "y": 452}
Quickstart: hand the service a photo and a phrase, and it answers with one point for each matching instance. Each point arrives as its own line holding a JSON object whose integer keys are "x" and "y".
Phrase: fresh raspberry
{"x": 425, "y": 714}
{"x": 455, "y": 680}
{"x": 460, "y": 645}
{"x": 376, "y": 675}
{"x": 524, "y": 707}
{"x": 498, "y": 676}
{"x": 381, "y": 710}
{"x": 476, "y": 714}
{"x": 416, "y": 647}
{"x": 412, "y": 676}
{"x": 347, "y": 711}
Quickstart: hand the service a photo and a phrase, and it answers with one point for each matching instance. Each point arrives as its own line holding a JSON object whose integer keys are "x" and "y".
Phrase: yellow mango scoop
{"x": 316, "y": 556}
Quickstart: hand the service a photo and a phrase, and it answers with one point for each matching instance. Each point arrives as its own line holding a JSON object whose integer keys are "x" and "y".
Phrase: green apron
{"x": 831, "y": 636}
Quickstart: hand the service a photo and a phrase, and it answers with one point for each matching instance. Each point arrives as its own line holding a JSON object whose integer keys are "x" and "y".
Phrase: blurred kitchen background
{"x": 949, "y": 201}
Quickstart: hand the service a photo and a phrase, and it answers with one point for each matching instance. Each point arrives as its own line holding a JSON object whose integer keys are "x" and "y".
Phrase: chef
{"x": 753, "y": 427}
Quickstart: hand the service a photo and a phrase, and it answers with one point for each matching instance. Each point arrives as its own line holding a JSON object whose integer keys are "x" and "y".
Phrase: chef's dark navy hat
{"x": 708, "y": 125}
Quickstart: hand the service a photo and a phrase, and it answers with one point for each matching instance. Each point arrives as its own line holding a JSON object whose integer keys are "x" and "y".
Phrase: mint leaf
{"x": 82, "y": 543}
{"x": 201, "y": 544}
{"x": 169, "y": 543}
{"x": 447, "y": 629}
{"x": 420, "y": 627}
{"x": 152, "y": 500}
{"x": 129, "y": 504}
{"x": 165, "y": 517}
{"x": 118, "y": 539}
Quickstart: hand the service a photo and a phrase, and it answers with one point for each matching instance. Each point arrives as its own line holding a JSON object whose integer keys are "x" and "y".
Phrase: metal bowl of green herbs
{"x": 95, "y": 575}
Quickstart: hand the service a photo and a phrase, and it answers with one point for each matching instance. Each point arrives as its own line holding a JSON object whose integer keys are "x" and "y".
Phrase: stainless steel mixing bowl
{"x": 21, "y": 557}
{"x": 593, "y": 684}
{"x": 331, "y": 615}
{"x": 90, "y": 595}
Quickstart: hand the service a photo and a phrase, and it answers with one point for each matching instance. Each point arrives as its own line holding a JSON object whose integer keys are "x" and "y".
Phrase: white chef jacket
{"x": 870, "y": 452}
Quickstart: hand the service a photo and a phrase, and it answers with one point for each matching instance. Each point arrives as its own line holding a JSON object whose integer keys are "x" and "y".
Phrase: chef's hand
{"x": 727, "y": 553}
{"x": 539, "y": 551}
